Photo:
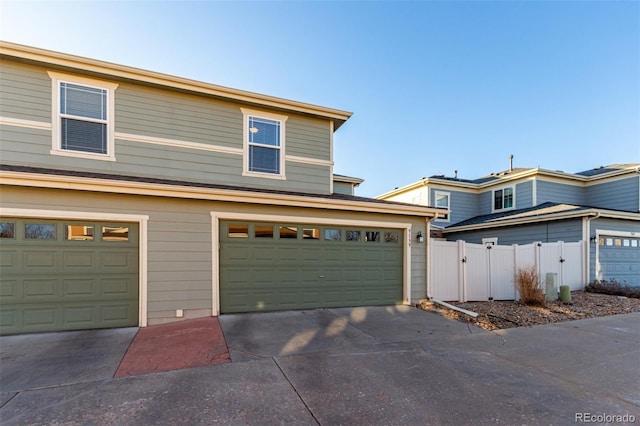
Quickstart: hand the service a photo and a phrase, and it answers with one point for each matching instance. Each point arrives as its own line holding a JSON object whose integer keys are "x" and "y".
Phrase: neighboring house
{"x": 132, "y": 198}
{"x": 520, "y": 206}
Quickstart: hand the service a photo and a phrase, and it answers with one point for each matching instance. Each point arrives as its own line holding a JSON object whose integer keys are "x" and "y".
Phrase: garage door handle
{"x": 321, "y": 276}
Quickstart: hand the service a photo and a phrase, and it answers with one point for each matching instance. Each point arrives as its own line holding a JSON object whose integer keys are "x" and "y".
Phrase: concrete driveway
{"x": 374, "y": 365}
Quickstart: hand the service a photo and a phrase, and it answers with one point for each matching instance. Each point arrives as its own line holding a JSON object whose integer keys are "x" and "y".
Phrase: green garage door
{"x": 271, "y": 266}
{"x": 67, "y": 275}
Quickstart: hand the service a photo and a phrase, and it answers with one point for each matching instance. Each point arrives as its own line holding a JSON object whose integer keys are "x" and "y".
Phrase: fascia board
{"x": 155, "y": 78}
{"x": 545, "y": 218}
{"x": 213, "y": 194}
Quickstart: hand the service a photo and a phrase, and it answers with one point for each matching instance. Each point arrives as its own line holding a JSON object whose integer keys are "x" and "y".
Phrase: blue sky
{"x": 435, "y": 86}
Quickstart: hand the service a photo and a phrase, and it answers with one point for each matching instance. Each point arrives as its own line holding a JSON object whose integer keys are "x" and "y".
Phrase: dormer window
{"x": 263, "y": 144}
{"x": 503, "y": 199}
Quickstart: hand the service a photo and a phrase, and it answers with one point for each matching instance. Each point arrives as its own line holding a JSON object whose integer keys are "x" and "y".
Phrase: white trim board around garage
{"x": 141, "y": 220}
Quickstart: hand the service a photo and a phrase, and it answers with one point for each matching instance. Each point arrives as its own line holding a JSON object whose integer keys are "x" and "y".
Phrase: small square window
{"x": 115, "y": 233}
{"x": 391, "y": 237}
{"x": 263, "y": 231}
{"x": 33, "y": 231}
{"x": 332, "y": 234}
{"x": 7, "y": 230}
{"x": 353, "y": 235}
{"x": 288, "y": 232}
{"x": 311, "y": 233}
{"x": 372, "y": 236}
{"x": 78, "y": 233}
{"x": 238, "y": 231}
{"x": 503, "y": 198}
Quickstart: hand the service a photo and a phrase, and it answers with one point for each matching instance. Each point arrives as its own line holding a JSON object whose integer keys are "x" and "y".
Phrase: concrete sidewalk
{"x": 375, "y": 365}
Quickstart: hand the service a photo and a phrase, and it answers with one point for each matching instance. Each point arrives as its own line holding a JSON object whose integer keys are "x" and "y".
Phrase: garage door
{"x": 271, "y": 266}
{"x": 619, "y": 259}
{"x": 67, "y": 275}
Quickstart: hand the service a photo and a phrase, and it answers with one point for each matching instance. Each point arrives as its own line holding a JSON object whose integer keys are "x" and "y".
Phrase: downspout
{"x": 588, "y": 251}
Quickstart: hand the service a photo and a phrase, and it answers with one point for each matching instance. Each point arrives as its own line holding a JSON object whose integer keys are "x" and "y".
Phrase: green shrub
{"x": 528, "y": 285}
{"x": 614, "y": 288}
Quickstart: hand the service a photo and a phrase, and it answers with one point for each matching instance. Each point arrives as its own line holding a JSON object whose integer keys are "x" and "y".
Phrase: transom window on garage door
{"x": 46, "y": 230}
{"x": 260, "y": 231}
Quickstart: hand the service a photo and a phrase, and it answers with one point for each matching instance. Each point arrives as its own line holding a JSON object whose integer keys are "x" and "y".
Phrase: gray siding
{"x": 569, "y": 230}
{"x": 559, "y": 193}
{"x": 343, "y": 188}
{"x": 621, "y": 194}
{"x": 463, "y": 205}
{"x": 25, "y": 93}
{"x": 524, "y": 195}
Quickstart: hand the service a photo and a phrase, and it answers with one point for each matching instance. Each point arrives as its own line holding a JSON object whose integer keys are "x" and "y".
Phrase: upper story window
{"x": 503, "y": 199}
{"x": 263, "y": 144}
{"x": 83, "y": 113}
{"x": 443, "y": 200}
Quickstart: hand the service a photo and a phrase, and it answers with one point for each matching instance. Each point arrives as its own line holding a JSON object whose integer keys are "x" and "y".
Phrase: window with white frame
{"x": 442, "y": 200}
{"x": 263, "y": 144}
{"x": 83, "y": 113}
{"x": 503, "y": 199}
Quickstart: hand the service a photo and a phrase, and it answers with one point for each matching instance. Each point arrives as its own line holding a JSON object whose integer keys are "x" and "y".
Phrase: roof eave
{"x": 215, "y": 194}
{"x": 545, "y": 218}
{"x": 28, "y": 53}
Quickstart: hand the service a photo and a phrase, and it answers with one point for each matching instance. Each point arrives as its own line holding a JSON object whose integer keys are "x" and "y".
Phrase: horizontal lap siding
{"x": 163, "y": 114}
{"x": 25, "y": 92}
{"x": 308, "y": 138}
{"x": 565, "y": 230}
{"x": 620, "y": 194}
{"x": 179, "y": 239}
{"x": 559, "y": 193}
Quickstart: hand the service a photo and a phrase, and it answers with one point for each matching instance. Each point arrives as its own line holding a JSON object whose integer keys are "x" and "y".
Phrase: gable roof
{"x": 541, "y": 213}
{"x": 120, "y": 72}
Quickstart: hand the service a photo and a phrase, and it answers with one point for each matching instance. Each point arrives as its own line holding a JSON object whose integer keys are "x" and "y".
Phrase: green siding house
{"x": 132, "y": 198}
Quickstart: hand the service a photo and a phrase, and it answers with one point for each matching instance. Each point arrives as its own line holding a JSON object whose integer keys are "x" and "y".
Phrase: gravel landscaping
{"x": 496, "y": 315}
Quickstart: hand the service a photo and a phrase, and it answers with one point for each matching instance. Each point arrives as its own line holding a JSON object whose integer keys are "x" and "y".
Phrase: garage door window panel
{"x": 311, "y": 233}
{"x": 372, "y": 236}
{"x": 79, "y": 232}
{"x": 236, "y": 230}
{"x": 36, "y": 231}
{"x": 353, "y": 235}
{"x": 7, "y": 230}
{"x": 263, "y": 231}
{"x": 391, "y": 237}
{"x": 115, "y": 233}
{"x": 288, "y": 232}
{"x": 332, "y": 234}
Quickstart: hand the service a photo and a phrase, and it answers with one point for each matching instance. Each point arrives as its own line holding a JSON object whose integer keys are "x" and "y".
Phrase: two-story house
{"x": 525, "y": 205}
{"x": 131, "y": 198}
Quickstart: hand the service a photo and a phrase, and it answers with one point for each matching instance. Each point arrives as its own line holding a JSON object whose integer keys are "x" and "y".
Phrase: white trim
{"x": 56, "y": 147}
{"x": 178, "y": 143}
{"x": 331, "y": 130}
{"x": 30, "y": 124}
{"x": 493, "y": 197}
{"x": 115, "y": 217}
{"x": 217, "y": 216}
{"x": 437, "y": 192}
{"x": 307, "y": 160}
{"x": 246, "y": 113}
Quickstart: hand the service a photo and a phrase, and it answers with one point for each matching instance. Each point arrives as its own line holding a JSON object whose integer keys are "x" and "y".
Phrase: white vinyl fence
{"x": 463, "y": 272}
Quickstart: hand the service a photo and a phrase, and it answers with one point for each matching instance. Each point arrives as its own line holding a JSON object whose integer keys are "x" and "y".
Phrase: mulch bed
{"x": 496, "y": 315}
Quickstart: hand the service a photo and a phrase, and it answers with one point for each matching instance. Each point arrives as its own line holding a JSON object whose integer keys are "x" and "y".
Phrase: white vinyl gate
{"x": 464, "y": 272}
